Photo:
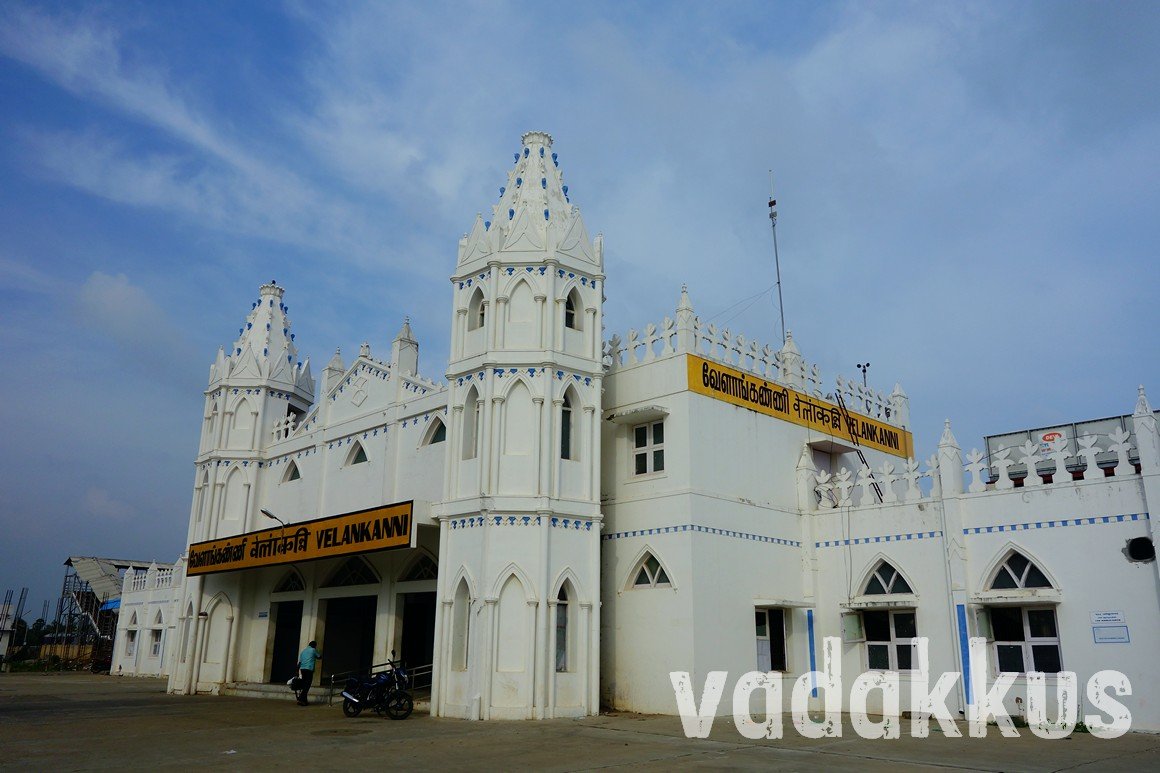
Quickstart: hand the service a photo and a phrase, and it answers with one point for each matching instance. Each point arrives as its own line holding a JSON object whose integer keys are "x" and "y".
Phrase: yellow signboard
{"x": 379, "y": 528}
{"x": 755, "y": 393}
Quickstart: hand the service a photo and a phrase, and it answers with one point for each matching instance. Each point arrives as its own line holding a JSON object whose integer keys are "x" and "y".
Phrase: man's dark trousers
{"x": 307, "y": 678}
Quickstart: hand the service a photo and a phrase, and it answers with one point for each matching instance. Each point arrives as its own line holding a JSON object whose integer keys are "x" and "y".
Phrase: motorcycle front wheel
{"x": 399, "y": 705}
{"x": 350, "y": 708}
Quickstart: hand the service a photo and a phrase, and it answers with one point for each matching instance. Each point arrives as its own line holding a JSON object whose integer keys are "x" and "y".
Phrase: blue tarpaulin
{"x": 111, "y": 604}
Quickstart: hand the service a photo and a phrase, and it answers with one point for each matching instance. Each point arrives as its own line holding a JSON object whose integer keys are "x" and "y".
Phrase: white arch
{"x": 513, "y": 570}
{"x": 219, "y": 598}
{"x": 464, "y": 575}
{"x": 1000, "y": 558}
{"x": 510, "y": 285}
{"x": 476, "y": 302}
{"x": 420, "y": 554}
{"x": 567, "y": 575}
{"x": 355, "y": 447}
{"x": 432, "y": 428}
{"x": 564, "y": 385}
{"x": 869, "y": 570}
{"x": 634, "y": 568}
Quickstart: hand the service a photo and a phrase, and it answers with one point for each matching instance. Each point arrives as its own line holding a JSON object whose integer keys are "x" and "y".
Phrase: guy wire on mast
{"x": 776, "y": 261}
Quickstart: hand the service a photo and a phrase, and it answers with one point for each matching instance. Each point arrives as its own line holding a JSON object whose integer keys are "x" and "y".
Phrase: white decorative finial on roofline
{"x": 536, "y": 136}
{"x": 1143, "y": 407}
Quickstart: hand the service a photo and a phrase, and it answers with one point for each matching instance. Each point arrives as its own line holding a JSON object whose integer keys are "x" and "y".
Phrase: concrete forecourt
{"x": 82, "y": 722}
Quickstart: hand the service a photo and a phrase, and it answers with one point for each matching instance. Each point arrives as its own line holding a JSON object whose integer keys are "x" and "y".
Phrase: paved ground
{"x": 84, "y": 722}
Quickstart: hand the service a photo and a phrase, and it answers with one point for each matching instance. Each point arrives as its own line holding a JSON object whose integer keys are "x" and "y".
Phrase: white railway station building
{"x": 556, "y": 521}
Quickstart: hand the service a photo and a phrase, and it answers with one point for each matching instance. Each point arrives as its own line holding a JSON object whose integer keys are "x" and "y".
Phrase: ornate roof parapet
{"x": 687, "y": 334}
{"x": 265, "y": 350}
{"x": 534, "y": 214}
{"x": 1006, "y": 470}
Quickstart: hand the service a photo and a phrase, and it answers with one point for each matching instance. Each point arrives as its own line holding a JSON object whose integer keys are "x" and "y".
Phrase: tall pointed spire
{"x": 264, "y": 349}
{"x": 534, "y": 214}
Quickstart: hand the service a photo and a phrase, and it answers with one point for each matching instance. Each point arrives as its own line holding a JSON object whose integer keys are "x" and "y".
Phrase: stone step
{"x": 318, "y": 695}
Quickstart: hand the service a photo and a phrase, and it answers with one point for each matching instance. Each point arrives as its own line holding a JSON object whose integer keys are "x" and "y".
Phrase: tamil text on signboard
{"x": 772, "y": 399}
{"x": 379, "y": 528}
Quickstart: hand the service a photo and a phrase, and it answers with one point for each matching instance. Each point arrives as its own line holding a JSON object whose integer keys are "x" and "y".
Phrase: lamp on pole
{"x": 860, "y": 366}
{"x": 268, "y": 514}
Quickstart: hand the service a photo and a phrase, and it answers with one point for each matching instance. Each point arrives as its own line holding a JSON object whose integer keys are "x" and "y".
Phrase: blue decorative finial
{"x": 487, "y": 225}
{"x": 545, "y": 214}
{"x": 541, "y": 151}
{"x": 502, "y": 190}
{"x": 526, "y": 152}
{"x": 519, "y": 181}
{"x": 565, "y": 190}
{"x": 517, "y": 156}
{"x": 544, "y": 183}
{"x": 511, "y": 214}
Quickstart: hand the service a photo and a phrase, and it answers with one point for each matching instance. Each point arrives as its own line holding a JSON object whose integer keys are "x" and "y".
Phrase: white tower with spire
{"x": 257, "y": 392}
{"x": 518, "y": 621}
{"x": 254, "y": 388}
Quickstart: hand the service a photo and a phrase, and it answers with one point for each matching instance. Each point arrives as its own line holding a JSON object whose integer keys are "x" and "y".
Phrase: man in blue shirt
{"x": 306, "y": 662}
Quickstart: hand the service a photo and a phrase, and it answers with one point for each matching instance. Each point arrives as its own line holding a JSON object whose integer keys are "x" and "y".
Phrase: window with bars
{"x": 888, "y": 639}
{"x": 885, "y": 580}
{"x": 355, "y": 571}
{"x": 1018, "y": 571}
{"x": 648, "y": 448}
{"x": 650, "y": 574}
{"x": 1026, "y": 639}
{"x": 290, "y": 582}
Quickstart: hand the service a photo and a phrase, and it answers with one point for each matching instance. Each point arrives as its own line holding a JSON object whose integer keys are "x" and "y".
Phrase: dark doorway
{"x": 418, "y": 638}
{"x": 287, "y": 628}
{"x": 348, "y": 639}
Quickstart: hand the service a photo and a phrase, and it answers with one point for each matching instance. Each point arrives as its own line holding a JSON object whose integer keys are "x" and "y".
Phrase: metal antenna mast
{"x": 776, "y": 260}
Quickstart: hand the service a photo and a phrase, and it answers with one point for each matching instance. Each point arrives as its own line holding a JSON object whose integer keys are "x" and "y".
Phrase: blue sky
{"x": 967, "y": 197}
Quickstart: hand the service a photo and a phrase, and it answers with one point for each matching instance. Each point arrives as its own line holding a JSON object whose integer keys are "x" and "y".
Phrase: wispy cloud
{"x": 100, "y": 504}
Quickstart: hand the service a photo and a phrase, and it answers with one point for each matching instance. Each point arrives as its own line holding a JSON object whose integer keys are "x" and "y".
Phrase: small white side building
{"x": 147, "y": 617}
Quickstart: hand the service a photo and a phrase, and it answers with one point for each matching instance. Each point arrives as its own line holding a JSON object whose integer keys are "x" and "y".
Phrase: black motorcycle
{"x": 385, "y": 692}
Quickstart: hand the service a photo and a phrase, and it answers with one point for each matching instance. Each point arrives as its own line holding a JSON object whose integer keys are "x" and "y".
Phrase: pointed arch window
{"x": 290, "y": 582}
{"x": 354, "y": 571}
{"x": 888, "y": 632}
{"x": 1018, "y": 571}
{"x": 357, "y": 455}
{"x": 571, "y": 310}
{"x": 885, "y": 580}
{"x": 1024, "y": 638}
{"x": 436, "y": 433}
{"x": 566, "y": 427}
{"x": 562, "y": 607}
{"x": 650, "y": 574}
{"x": 292, "y": 473}
{"x": 476, "y": 310}
{"x": 471, "y": 416}
{"x": 460, "y": 622}
{"x": 155, "y": 635}
{"x": 423, "y": 569}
